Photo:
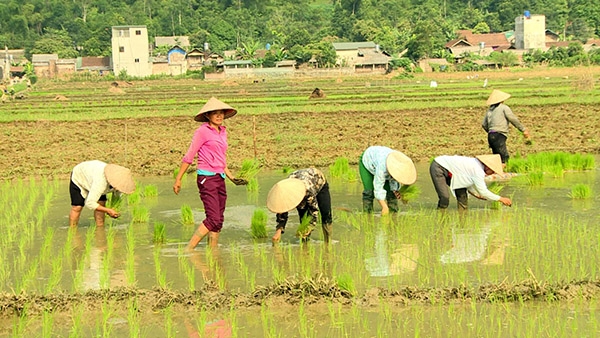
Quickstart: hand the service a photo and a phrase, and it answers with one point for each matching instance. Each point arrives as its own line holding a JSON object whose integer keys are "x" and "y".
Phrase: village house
{"x": 44, "y": 65}
{"x": 362, "y": 56}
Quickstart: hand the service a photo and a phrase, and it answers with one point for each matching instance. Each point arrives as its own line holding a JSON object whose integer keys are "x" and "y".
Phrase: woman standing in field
{"x": 209, "y": 144}
{"x": 495, "y": 123}
{"x": 382, "y": 170}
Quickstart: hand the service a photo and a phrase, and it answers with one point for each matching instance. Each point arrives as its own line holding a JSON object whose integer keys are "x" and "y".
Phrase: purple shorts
{"x": 214, "y": 197}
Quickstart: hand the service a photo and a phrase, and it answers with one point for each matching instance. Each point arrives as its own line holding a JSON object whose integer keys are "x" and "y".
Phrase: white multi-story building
{"x": 130, "y": 50}
{"x": 530, "y": 31}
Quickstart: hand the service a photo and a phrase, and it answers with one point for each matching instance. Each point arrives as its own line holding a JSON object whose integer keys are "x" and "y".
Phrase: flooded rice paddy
{"x": 529, "y": 270}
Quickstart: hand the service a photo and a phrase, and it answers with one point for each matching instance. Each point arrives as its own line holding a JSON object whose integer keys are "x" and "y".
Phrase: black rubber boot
{"x": 392, "y": 202}
{"x": 367, "y": 198}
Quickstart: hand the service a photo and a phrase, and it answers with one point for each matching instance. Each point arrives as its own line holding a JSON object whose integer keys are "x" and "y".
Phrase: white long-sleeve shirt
{"x": 89, "y": 177}
{"x": 467, "y": 172}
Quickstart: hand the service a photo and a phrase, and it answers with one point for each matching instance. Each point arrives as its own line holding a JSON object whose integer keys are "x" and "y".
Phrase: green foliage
{"x": 505, "y": 59}
{"x": 258, "y": 227}
{"x": 55, "y": 41}
{"x": 580, "y": 191}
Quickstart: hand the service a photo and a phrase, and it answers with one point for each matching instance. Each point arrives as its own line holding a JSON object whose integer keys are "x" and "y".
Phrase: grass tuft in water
{"x": 187, "y": 216}
{"x": 341, "y": 169}
{"x": 535, "y": 178}
{"x": 580, "y": 191}
{"x": 150, "y": 190}
{"x": 141, "y": 214}
{"x": 259, "y": 224}
{"x": 345, "y": 282}
{"x": 160, "y": 230}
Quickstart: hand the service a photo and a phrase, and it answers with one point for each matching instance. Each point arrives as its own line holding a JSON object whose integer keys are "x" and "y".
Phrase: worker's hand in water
{"x": 239, "y": 181}
{"x": 112, "y": 213}
{"x": 506, "y": 201}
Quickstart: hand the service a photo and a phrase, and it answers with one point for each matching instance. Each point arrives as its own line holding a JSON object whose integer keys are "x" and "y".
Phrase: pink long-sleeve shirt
{"x": 210, "y": 146}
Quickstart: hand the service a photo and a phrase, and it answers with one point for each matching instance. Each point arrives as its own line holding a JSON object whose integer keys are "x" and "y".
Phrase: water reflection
{"x": 403, "y": 259}
{"x": 473, "y": 242}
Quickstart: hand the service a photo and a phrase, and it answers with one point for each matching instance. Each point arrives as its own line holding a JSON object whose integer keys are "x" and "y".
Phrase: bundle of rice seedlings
{"x": 250, "y": 167}
{"x": 409, "y": 193}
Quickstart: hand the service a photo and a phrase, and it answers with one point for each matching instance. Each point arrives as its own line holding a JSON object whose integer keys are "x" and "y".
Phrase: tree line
{"x": 294, "y": 29}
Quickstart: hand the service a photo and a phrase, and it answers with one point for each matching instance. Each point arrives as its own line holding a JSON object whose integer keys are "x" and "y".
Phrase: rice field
{"x": 521, "y": 271}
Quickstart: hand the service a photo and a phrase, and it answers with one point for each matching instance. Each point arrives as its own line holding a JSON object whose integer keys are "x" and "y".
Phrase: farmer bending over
{"x": 90, "y": 182}
{"x": 306, "y": 190}
{"x": 382, "y": 171}
{"x": 465, "y": 174}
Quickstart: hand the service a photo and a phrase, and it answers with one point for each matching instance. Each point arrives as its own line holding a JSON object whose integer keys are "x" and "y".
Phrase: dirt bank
{"x": 154, "y": 146}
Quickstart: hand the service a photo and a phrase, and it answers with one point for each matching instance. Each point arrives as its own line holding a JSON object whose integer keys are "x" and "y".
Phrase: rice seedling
{"x": 47, "y": 323}
{"x": 345, "y": 282}
{"x": 286, "y": 169}
{"x": 140, "y": 214}
{"x": 77, "y": 320}
{"x": 21, "y": 322}
{"x": 495, "y": 187}
{"x": 150, "y": 190}
{"x": 107, "y": 313}
{"x": 409, "y": 193}
{"x": 304, "y": 226}
{"x": 187, "y": 216}
{"x": 168, "y": 313}
{"x": 190, "y": 274}
{"x": 134, "y": 318}
{"x": 535, "y": 178}
{"x": 250, "y": 168}
{"x": 134, "y": 198}
{"x": 159, "y": 233}
{"x": 341, "y": 169}
{"x": 55, "y": 276}
{"x": 130, "y": 260}
{"x": 114, "y": 201}
{"x": 161, "y": 276}
{"x": 252, "y": 185}
{"x": 581, "y": 191}
{"x": 258, "y": 227}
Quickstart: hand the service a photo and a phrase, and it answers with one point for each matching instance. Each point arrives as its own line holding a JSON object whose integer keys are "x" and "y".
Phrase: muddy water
{"x": 546, "y": 237}
{"x": 416, "y": 247}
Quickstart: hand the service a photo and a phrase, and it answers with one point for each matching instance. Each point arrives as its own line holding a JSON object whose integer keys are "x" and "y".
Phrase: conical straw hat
{"x": 120, "y": 178}
{"x": 286, "y": 195}
{"x": 497, "y": 96}
{"x": 493, "y": 162}
{"x": 212, "y": 105}
{"x": 401, "y": 167}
